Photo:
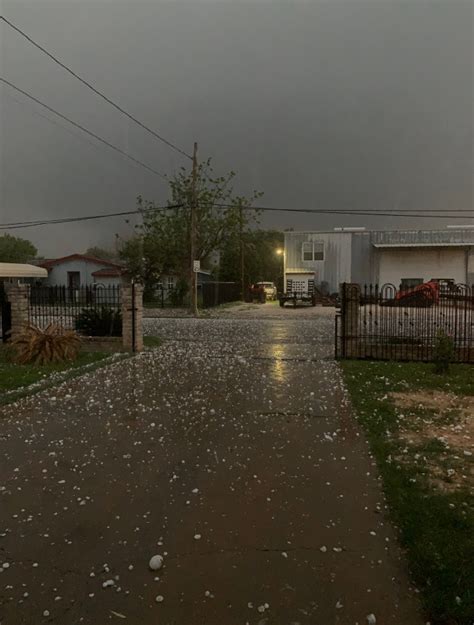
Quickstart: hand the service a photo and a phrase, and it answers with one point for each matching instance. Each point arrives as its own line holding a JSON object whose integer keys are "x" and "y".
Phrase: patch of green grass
{"x": 417, "y": 376}
{"x": 436, "y": 526}
{"x": 16, "y": 377}
{"x": 152, "y": 341}
{"x": 433, "y": 446}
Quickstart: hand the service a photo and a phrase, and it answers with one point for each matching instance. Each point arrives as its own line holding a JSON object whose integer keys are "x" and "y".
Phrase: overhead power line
{"x": 95, "y": 90}
{"x": 46, "y": 222}
{"x": 421, "y": 213}
{"x": 78, "y": 135}
{"x": 83, "y": 128}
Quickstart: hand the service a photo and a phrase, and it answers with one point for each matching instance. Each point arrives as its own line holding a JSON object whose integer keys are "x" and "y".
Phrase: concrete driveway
{"x": 232, "y": 452}
{"x": 271, "y": 310}
{"x": 241, "y": 310}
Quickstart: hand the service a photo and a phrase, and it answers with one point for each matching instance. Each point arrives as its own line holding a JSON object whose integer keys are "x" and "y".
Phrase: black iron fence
{"x": 160, "y": 297}
{"x": 216, "y": 293}
{"x": 93, "y": 310}
{"x": 5, "y": 315}
{"x": 387, "y": 323}
{"x": 156, "y": 298}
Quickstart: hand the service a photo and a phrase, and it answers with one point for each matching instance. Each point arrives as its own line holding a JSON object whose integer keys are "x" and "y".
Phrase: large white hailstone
{"x": 371, "y": 620}
{"x": 156, "y": 562}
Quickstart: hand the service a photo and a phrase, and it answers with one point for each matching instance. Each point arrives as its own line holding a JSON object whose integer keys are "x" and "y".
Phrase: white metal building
{"x": 400, "y": 257}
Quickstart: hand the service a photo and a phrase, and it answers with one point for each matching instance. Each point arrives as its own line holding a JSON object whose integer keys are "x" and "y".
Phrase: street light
{"x": 281, "y": 252}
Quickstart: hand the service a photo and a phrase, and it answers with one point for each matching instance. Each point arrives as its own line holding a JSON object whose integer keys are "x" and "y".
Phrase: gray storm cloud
{"x": 348, "y": 104}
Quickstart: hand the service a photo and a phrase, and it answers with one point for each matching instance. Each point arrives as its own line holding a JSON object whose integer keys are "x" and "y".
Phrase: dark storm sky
{"x": 338, "y": 104}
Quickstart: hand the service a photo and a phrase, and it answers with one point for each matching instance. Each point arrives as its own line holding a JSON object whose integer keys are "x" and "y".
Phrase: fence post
{"x": 132, "y": 316}
{"x": 350, "y": 298}
{"x": 18, "y": 296}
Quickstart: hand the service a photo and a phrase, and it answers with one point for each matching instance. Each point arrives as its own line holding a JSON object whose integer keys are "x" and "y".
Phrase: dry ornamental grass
{"x": 51, "y": 345}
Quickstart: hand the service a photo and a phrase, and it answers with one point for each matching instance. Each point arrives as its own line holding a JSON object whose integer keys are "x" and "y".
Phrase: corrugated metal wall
{"x": 336, "y": 266}
{"x": 352, "y": 257}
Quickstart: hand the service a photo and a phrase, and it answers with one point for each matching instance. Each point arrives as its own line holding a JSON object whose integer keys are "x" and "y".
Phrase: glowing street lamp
{"x": 281, "y": 252}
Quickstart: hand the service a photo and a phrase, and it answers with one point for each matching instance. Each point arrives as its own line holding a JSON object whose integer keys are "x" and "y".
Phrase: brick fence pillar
{"x": 132, "y": 316}
{"x": 19, "y": 297}
{"x": 350, "y": 301}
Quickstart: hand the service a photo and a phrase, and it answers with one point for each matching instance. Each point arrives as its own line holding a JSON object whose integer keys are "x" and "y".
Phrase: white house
{"x": 169, "y": 281}
{"x": 400, "y": 257}
{"x": 78, "y": 270}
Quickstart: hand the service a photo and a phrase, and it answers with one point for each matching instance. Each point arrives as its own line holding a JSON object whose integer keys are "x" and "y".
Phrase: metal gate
{"x": 5, "y": 315}
{"x": 386, "y": 323}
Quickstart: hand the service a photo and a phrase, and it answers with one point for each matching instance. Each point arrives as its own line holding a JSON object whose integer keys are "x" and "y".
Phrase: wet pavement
{"x": 230, "y": 451}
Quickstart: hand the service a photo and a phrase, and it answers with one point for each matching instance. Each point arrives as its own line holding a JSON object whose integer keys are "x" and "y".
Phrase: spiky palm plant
{"x": 39, "y": 347}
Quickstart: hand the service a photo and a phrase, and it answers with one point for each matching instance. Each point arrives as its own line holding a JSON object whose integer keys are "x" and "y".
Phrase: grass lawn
{"x": 15, "y": 377}
{"x": 420, "y": 426}
{"x": 152, "y": 341}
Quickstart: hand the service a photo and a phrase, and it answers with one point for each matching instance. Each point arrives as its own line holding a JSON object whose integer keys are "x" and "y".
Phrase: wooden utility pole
{"x": 193, "y": 279}
{"x": 242, "y": 252}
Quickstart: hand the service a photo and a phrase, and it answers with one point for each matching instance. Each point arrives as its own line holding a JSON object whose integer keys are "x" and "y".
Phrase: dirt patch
{"x": 447, "y": 419}
{"x": 451, "y": 420}
{"x": 440, "y": 403}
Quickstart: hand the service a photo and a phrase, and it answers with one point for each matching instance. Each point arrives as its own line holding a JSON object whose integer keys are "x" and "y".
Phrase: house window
{"x": 170, "y": 283}
{"x": 307, "y": 251}
{"x": 410, "y": 283}
{"x": 318, "y": 250}
{"x": 313, "y": 250}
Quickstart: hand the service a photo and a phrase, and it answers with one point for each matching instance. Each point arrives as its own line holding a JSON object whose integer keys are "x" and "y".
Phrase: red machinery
{"x": 425, "y": 294}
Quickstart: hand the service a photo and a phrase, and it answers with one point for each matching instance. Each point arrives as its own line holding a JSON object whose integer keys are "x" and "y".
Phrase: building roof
{"x": 20, "y": 270}
{"x": 362, "y": 230}
{"x": 90, "y": 259}
{"x": 417, "y": 245}
{"x": 462, "y": 236}
{"x": 109, "y": 272}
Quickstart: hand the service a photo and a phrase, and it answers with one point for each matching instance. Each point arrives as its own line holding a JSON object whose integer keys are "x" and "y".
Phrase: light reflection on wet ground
{"x": 235, "y": 430}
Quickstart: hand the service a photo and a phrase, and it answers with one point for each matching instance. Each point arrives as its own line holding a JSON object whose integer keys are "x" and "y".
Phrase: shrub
{"x": 39, "y": 347}
{"x": 443, "y": 352}
{"x": 102, "y": 321}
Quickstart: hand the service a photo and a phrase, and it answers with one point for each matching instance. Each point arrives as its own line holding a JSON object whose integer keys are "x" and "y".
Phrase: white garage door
{"x": 400, "y": 264}
{"x": 299, "y": 282}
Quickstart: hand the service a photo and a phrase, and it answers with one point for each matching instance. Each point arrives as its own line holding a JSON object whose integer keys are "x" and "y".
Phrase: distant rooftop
{"x": 91, "y": 259}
